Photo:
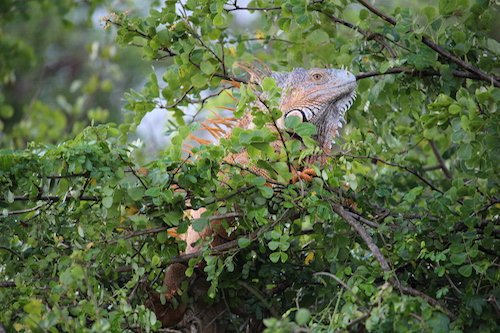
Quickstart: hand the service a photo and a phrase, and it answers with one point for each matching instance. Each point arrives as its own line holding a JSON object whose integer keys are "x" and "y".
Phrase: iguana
{"x": 318, "y": 96}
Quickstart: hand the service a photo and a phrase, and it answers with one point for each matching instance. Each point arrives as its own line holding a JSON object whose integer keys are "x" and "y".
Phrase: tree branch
{"x": 383, "y": 262}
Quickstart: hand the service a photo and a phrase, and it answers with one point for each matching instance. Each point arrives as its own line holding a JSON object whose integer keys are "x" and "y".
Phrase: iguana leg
{"x": 307, "y": 174}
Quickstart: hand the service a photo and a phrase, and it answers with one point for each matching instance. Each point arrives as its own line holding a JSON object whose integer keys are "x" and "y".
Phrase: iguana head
{"x": 318, "y": 96}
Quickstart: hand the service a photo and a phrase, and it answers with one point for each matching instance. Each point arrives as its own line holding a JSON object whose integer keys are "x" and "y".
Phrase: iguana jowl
{"x": 318, "y": 96}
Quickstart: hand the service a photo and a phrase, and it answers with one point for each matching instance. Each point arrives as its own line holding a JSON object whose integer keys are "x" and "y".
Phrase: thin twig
{"x": 22, "y": 211}
{"x": 365, "y": 221}
{"x": 440, "y": 159}
{"x": 54, "y": 198}
{"x": 11, "y": 251}
{"x": 173, "y": 105}
{"x": 359, "y": 319}
{"x": 410, "y": 170}
{"x": 344, "y": 285}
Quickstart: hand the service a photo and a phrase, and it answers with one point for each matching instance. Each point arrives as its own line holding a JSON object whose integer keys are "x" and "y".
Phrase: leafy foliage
{"x": 398, "y": 232}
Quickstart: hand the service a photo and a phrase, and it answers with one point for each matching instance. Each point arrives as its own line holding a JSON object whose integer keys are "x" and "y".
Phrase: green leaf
{"x": 306, "y": 129}
{"x": 458, "y": 258}
{"x": 6, "y": 111}
{"x": 441, "y": 101}
{"x": 243, "y": 242}
{"x": 275, "y": 257}
{"x": 200, "y": 224}
{"x": 483, "y": 96}
{"x": 173, "y": 218}
{"x": 268, "y": 83}
{"x": 465, "y": 122}
{"x": 459, "y": 36}
{"x": 155, "y": 261}
{"x": 218, "y": 20}
{"x": 465, "y": 270}
{"x": 107, "y": 202}
{"x": 207, "y": 67}
{"x": 302, "y": 316}
{"x": 136, "y": 193}
{"x": 429, "y": 12}
{"x": 292, "y": 122}
{"x": 77, "y": 272}
{"x": 303, "y": 20}
{"x": 343, "y": 59}
{"x": 454, "y": 109}
{"x": 153, "y": 192}
{"x": 315, "y": 38}
{"x": 284, "y": 23}
{"x": 403, "y": 27}
{"x": 364, "y": 14}
{"x": 199, "y": 81}
{"x": 273, "y": 245}
{"x": 6, "y": 161}
{"x": 258, "y": 181}
{"x": 33, "y": 307}
{"x": 447, "y": 6}
{"x": 429, "y": 133}
{"x": 465, "y": 152}
{"x": 162, "y": 237}
{"x": 266, "y": 191}
{"x": 259, "y": 145}
{"x": 458, "y": 136}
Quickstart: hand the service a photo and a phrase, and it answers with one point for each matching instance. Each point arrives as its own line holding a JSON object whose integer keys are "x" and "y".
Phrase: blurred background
{"x": 60, "y": 70}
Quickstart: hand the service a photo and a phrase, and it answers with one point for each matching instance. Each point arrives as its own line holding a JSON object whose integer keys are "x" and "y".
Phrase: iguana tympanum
{"x": 318, "y": 96}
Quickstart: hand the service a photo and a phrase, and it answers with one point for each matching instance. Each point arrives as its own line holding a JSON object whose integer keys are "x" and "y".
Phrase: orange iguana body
{"x": 318, "y": 96}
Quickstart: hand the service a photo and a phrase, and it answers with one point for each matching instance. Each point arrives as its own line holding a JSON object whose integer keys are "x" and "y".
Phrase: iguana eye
{"x": 317, "y": 76}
